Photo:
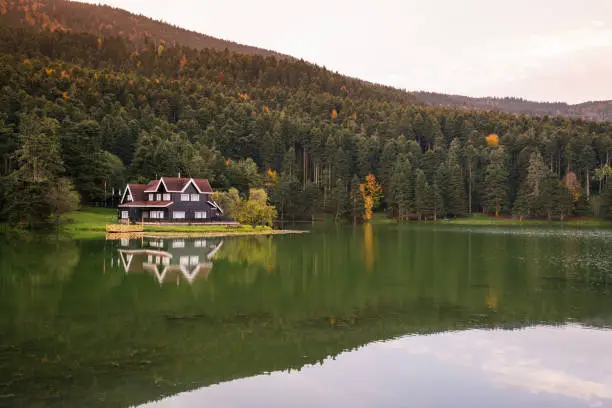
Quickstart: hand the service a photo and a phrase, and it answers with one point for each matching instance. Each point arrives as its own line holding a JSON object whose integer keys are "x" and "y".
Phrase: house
{"x": 169, "y": 200}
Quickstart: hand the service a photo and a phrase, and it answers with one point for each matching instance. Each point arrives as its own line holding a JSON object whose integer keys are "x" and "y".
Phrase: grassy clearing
{"x": 91, "y": 222}
{"x": 89, "y": 219}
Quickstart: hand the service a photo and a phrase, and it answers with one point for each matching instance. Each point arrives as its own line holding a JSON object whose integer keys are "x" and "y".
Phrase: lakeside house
{"x": 175, "y": 200}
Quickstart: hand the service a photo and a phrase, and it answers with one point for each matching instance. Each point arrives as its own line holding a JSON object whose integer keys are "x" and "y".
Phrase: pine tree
{"x": 339, "y": 199}
{"x": 356, "y": 200}
{"x": 441, "y": 182}
{"x": 529, "y": 200}
{"x": 421, "y": 194}
{"x": 496, "y": 182}
{"x": 436, "y": 205}
{"x": 402, "y": 187}
{"x": 456, "y": 205}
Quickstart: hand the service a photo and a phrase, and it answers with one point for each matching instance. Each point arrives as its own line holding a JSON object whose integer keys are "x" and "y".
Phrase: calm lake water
{"x": 367, "y": 316}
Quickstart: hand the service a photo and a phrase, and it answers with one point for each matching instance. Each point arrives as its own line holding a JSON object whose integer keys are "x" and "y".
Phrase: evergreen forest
{"x": 81, "y": 115}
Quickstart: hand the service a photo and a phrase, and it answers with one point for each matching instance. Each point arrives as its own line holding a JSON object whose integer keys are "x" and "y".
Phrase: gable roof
{"x": 178, "y": 184}
{"x": 174, "y": 184}
{"x": 152, "y": 186}
{"x": 137, "y": 191}
{"x": 203, "y": 185}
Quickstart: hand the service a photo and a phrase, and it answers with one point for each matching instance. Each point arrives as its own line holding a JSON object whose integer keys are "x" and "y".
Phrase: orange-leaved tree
{"x": 492, "y": 140}
{"x": 372, "y": 192}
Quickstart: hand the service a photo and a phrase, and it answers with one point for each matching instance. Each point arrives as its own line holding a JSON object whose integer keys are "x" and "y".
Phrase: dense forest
{"x": 82, "y": 115}
{"x": 104, "y": 21}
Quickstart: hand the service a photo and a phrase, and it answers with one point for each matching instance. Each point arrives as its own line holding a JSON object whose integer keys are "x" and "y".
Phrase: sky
{"x": 542, "y": 50}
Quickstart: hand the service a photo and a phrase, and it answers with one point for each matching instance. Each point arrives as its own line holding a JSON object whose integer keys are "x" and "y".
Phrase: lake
{"x": 366, "y": 316}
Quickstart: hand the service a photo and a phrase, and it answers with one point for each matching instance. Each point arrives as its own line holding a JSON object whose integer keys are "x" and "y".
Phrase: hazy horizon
{"x": 473, "y": 48}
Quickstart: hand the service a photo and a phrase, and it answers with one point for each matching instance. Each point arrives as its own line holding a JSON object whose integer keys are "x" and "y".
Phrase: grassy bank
{"x": 91, "y": 223}
{"x": 480, "y": 219}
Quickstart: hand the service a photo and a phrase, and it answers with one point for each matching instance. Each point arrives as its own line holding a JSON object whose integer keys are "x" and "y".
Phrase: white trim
{"x": 194, "y": 184}
{"x": 127, "y": 188}
{"x": 214, "y": 204}
{"x": 145, "y": 205}
{"x": 161, "y": 181}
{"x": 156, "y": 187}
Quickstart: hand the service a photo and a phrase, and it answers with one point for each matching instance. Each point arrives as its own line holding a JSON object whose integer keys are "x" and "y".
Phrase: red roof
{"x": 137, "y": 191}
{"x": 203, "y": 185}
{"x": 176, "y": 184}
{"x": 152, "y": 186}
{"x": 142, "y": 203}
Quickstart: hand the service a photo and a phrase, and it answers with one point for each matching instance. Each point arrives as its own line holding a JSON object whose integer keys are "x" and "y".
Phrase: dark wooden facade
{"x": 170, "y": 200}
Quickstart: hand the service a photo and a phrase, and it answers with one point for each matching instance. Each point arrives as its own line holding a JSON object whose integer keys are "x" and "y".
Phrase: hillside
{"x": 596, "y": 110}
{"x": 107, "y": 21}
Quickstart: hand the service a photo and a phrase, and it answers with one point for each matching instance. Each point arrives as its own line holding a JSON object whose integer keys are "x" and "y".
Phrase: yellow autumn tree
{"x": 492, "y": 140}
{"x": 371, "y": 192}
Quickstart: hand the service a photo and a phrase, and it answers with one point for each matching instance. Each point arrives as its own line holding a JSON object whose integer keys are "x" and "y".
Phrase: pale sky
{"x": 544, "y": 50}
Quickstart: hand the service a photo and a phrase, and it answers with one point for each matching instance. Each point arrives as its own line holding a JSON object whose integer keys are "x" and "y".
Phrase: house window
{"x": 151, "y": 197}
{"x": 159, "y": 197}
{"x": 195, "y": 197}
{"x": 184, "y": 260}
{"x": 199, "y": 243}
{"x": 194, "y": 260}
{"x": 124, "y": 214}
{"x": 184, "y": 197}
{"x": 157, "y": 214}
{"x": 178, "y": 215}
{"x": 166, "y": 197}
{"x": 179, "y": 243}
{"x": 200, "y": 215}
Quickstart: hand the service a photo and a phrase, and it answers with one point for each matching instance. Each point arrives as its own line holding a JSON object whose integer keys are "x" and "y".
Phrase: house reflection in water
{"x": 171, "y": 260}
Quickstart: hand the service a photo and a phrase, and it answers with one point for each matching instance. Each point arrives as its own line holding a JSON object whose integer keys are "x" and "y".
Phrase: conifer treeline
{"x": 304, "y": 133}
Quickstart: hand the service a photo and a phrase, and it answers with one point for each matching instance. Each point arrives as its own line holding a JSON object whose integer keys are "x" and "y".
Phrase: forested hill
{"x": 597, "y": 111}
{"x": 105, "y": 21}
{"x": 89, "y": 112}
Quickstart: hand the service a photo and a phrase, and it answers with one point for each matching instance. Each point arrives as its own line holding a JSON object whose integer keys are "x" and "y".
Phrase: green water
{"x": 372, "y": 316}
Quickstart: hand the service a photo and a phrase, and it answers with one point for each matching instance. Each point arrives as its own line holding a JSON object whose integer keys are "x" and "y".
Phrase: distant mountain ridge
{"x": 104, "y": 21}
{"x": 593, "y": 110}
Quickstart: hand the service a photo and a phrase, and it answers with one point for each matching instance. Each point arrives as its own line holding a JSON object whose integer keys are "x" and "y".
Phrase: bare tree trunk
{"x": 588, "y": 186}
{"x": 470, "y": 192}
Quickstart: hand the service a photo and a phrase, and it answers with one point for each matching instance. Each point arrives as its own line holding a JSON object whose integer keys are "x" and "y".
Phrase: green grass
{"x": 482, "y": 219}
{"x": 90, "y": 219}
{"x": 90, "y": 222}
{"x": 203, "y": 228}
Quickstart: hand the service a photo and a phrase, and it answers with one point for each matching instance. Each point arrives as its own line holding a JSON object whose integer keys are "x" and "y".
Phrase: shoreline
{"x": 216, "y": 234}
